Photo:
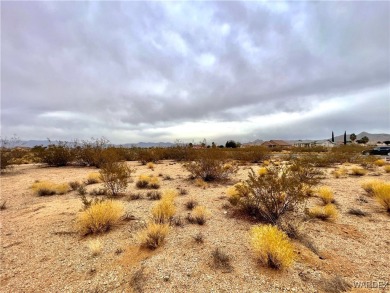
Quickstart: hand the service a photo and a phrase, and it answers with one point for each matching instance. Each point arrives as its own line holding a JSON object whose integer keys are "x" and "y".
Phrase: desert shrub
{"x": 369, "y": 185}
{"x": 380, "y": 162}
{"x": 191, "y": 203}
{"x": 150, "y": 165}
{"x": 153, "y": 195}
{"x": 95, "y": 152}
{"x": 356, "y": 171}
{"x": 146, "y": 181}
{"x": 325, "y": 194}
{"x": 382, "y": 195}
{"x": 114, "y": 176}
{"x": 340, "y": 173}
{"x": 44, "y": 188}
{"x": 58, "y": 155}
{"x": 99, "y": 217}
{"x": 272, "y": 246}
{"x": 281, "y": 189}
{"x": 211, "y": 167}
{"x": 93, "y": 178}
{"x": 165, "y": 208}
{"x": 143, "y": 181}
{"x": 154, "y": 182}
{"x": 153, "y": 235}
{"x": 254, "y": 154}
{"x": 221, "y": 260}
{"x": 325, "y": 213}
{"x": 95, "y": 246}
{"x": 134, "y": 196}
{"x": 387, "y": 168}
{"x": 198, "y": 215}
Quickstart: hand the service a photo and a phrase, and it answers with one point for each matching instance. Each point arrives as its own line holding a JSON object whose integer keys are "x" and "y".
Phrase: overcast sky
{"x": 162, "y": 71}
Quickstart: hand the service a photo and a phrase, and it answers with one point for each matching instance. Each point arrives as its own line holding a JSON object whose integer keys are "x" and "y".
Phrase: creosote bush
{"x": 44, "y": 188}
{"x": 324, "y": 213}
{"x": 269, "y": 196}
{"x": 325, "y": 194}
{"x": 115, "y": 177}
{"x": 211, "y": 166}
{"x": 99, "y": 217}
{"x": 272, "y": 246}
{"x": 153, "y": 235}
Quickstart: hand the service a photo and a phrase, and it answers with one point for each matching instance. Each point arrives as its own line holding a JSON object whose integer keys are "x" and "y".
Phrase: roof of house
{"x": 275, "y": 142}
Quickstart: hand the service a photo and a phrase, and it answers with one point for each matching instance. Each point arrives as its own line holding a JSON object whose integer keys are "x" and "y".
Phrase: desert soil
{"x": 42, "y": 252}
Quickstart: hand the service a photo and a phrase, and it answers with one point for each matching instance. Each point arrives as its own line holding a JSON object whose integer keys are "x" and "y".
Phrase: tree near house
{"x": 332, "y": 136}
{"x": 345, "y": 137}
{"x": 352, "y": 137}
{"x": 364, "y": 139}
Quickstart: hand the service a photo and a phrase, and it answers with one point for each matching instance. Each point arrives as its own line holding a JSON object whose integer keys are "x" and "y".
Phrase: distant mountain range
{"x": 373, "y": 138}
{"x": 32, "y": 143}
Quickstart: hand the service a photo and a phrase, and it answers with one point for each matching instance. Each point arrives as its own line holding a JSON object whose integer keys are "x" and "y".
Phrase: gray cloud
{"x": 81, "y": 69}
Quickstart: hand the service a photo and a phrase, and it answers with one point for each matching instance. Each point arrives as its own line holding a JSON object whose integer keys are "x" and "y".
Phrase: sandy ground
{"x": 41, "y": 251}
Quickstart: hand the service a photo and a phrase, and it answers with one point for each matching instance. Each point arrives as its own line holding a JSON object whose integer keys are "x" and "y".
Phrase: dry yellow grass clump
{"x": 266, "y": 163}
{"x": 325, "y": 213}
{"x": 387, "y": 168}
{"x": 358, "y": 171}
{"x": 340, "y": 173}
{"x": 150, "y": 165}
{"x": 43, "y": 188}
{"x": 165, "y": 208}
{"x": 272, "y": 246}
{"x": 148, "y": 181}
{"x": 199, "y": 182}
{"x": 382, "y": 194}
{"x": 153, "y": 235}
{"x": 199, "y": 215}
{"x": 325, "y": 194}
{"x": 233, "y": 194}
{"x": 368, "y": 185}
{"x": 94, "y": 177}
{"x": 380, "y": 162}
{"x": 262, "y": 171}
{"x": 99, "y": 217}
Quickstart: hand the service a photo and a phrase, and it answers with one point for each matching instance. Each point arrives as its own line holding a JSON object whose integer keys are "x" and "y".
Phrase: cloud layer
{"x": 157, "y": 71}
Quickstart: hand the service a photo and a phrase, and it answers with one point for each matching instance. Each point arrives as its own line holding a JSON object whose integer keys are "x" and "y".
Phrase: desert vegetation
{"x": 286, "y": 211}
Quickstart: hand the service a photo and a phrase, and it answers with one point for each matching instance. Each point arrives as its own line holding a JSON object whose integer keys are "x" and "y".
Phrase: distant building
{"x": 276, "y": 143}
{"x": 310, "y": 143}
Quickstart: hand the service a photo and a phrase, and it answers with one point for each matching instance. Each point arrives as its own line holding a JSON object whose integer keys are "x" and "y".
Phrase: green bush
{"x": 114, "y": 176}
{"x": 270, "y": 195}
{"x": 58, "y": 155}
